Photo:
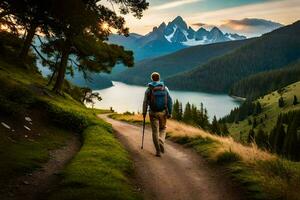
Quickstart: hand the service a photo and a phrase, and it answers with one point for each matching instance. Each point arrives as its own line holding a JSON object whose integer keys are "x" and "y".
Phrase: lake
{"x": 122, "y": 97}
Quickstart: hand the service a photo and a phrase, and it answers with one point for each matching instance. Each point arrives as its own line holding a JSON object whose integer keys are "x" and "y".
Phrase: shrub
{"x": 228, "y": 157}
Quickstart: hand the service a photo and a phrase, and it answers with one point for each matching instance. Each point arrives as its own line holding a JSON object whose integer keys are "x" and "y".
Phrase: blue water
{"x": 122, "y": 97}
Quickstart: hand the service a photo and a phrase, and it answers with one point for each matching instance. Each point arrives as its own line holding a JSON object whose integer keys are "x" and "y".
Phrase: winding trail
{"x": 42, "y": 181}
{"x": 180, "y": 174}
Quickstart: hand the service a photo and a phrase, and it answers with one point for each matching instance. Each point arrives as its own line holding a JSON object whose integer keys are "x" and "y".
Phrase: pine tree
{"x": 279, "y": 138}
{"x": 215, "y": 127}
{"x": 187, "y": 115}
{"x": 292, "y": 141}
{"x": 295, "y": 101}
{"x": 261, "y": 139}
{"x": 175, "y": 113}
{"x": 194, "y": 114}
{"x": 281, "y": 102}
{"x": 224, "y": 129}
{"x": 180, "y": 112}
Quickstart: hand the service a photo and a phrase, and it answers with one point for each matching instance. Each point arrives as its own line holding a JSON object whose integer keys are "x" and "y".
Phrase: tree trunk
{"x": 62, "y": 68}
{"x": 52, "y": 76}
{"x": 27, "y": 42}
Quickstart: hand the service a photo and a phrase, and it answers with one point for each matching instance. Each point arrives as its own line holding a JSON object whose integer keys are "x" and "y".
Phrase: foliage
{"x": 100, "y": 152}
{"x": 281, "y": 102}
{"x": 240, "y": 113}
{"x": 263, "y": 83}
{"x": 295, "y": 101}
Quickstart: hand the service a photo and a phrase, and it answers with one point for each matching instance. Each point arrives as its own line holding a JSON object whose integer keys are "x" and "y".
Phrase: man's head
{"x": 155, "y": 76}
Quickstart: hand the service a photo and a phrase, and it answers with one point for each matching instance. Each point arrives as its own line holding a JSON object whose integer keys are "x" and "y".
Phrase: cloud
{"x": 174, "y": 4}
{"x": 198, "y": 24}
{"x": 283, "y": 11}
{"x": 250, "y": 26}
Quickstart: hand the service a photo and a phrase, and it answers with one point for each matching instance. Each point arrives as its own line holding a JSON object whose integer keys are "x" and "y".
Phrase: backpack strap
{"x": 166, "y": 101}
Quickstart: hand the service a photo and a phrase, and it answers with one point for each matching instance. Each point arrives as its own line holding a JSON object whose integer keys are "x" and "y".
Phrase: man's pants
{"x": 158, "y": 124}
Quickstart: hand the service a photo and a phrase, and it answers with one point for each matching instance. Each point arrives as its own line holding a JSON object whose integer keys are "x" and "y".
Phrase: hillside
{"x": 177, "y": 62}
{"x": 266, "y": 82}
{"x": 37, "y": 127}
{"x": 267, "y": 119}
{"x": 271, "y": 51}
{"x": 260, "y": 174}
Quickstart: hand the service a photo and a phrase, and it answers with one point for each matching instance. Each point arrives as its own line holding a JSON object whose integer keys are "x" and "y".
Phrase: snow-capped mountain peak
{"x": 177, "y": 31}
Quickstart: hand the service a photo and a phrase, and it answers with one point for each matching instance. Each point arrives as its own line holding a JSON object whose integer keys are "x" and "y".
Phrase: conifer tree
{"x": 215, "y": 128}
{"x": 180, "y": 113}
{"x": 175, "y": 114}
{"x": 261, "y": 139}
{"x": 187, "y": 115}
{"x": 295, "y": 101}
{"x": 281, "y": 102}
{"x": 277, "y": 137}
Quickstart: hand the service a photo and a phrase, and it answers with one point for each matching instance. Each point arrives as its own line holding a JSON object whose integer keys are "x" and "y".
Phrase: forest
{"x": 273, "y": 50}
{"x": 265, "y": 82}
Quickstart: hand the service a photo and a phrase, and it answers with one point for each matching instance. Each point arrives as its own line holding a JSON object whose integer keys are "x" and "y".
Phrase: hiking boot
{"x": 162, "y": 148}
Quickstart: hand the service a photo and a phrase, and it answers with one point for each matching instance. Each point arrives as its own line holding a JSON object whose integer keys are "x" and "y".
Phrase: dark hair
{"x": 155, "y": 76}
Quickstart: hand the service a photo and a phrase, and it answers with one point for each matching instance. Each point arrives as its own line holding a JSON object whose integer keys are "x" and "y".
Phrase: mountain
{"x": 171, "y": 37}
{"x": 177, "y": 62}
{"x": 273, "y": 50}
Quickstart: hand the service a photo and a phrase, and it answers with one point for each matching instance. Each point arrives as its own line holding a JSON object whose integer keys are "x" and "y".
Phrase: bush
{"x": 228, "y": 157}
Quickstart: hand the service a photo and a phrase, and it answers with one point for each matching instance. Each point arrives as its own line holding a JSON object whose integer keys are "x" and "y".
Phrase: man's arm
{"x": 145, "y": 102}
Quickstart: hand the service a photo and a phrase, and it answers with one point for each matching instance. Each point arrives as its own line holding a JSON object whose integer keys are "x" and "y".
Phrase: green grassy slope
{"x": 271, "y": 51}
{"x": 177, "y": 62}
{"x": 270, "y": 108}
{"x": 98, "y": 171}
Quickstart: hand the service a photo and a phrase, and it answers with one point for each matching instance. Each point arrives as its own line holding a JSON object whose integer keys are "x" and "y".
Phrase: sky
{"x": 215, "y": 13}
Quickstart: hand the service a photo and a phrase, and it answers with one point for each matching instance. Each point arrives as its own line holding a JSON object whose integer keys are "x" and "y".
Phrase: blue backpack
{"x": 158, "y": 98}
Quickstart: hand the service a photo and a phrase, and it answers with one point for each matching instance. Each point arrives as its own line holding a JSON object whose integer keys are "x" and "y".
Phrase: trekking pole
{"x": 143, "y": 133}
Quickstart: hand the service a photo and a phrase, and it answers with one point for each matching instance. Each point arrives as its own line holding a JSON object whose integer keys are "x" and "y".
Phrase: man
{"x": 157, "y": 97}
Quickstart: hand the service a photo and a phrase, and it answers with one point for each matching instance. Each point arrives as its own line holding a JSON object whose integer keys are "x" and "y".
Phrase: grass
{"x": 270, "y": 108}
{"x": 261, "y": 174}
{"x": 100, "y": 169}
{"x": 97, "y": 172}
{"x": 23, "y": 155}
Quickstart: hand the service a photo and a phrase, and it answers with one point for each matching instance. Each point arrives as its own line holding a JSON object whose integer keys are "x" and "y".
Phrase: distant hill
{"x": 171, "y": 37}
{"x": 270, "y": 51}
{"x": 265, "y": 82}
{"x": 267, "y": 119}
{"x": 177, "y": 62}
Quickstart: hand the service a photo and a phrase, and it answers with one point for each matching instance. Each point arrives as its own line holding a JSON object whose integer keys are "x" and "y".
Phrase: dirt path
{"x": 180, "y": 174}
{"x": 38, "y": 184}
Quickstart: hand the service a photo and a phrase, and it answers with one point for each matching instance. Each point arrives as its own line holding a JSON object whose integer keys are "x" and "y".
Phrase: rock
{"x": 27, "y": 128}
{"x": 5, "y": 125}
{"x": 28, "y": 119}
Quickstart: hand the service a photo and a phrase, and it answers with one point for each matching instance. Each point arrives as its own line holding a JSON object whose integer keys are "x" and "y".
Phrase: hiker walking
{"x": 158, "y": 99}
